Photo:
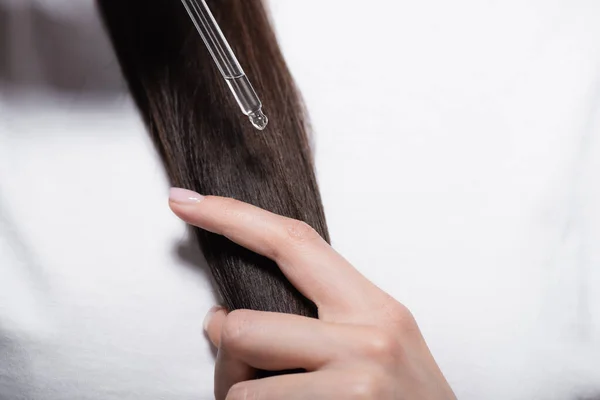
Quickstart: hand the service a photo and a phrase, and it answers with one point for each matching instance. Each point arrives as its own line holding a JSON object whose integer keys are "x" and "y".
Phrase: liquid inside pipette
{"x": 226, "y": 62}
{"x": 258, "y": 119}
{"x": 248, "y": 101}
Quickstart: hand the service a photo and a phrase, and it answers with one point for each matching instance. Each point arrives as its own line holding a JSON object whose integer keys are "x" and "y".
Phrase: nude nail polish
{"x": 184, "y": 196}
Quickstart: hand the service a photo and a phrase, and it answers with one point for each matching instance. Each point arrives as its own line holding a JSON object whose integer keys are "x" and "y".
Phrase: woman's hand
{"x": 364, "y": 345}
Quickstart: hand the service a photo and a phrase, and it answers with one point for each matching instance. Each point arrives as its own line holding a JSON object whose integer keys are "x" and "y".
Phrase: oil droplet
{"x": 258, "y": 119}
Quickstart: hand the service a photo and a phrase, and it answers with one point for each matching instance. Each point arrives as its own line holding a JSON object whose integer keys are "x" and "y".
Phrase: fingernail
{"x": 209, "y": 316}
{"x": 184, "y": 196}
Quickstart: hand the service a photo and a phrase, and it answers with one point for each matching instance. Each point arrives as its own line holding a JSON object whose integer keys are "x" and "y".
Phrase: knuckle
{"x": 289, "y": 235}
{"x": 234, "y": 329}
{"x": 299, "y": 232}
{"x": 406, "y": 322}
{"x": 400, "y": 316}
{"x": 365, "y": 385}
{"x": 381, "y": 346}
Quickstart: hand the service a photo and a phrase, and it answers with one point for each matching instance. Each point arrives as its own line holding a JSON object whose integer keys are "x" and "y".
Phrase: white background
{"x": 458, "y": 152}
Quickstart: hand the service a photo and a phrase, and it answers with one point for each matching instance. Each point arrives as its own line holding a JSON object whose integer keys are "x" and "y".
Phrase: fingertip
{"x": 180, "y": 201}
{"x": 213, "y": 323}
{"x": 184, "y": 196}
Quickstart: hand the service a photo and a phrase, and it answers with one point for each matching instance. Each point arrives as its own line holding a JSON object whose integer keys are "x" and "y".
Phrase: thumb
{"x": 213, "y": 324}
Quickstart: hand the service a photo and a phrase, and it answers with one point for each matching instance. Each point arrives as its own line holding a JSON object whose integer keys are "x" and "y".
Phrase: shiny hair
{"x": 207, "y": 145}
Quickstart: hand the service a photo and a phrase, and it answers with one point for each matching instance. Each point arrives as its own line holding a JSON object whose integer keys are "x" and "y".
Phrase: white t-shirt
{"x": 458, "y": 151}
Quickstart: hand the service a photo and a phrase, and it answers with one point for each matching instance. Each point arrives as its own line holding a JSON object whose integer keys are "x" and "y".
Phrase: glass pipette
{"x": 227, "y": 62}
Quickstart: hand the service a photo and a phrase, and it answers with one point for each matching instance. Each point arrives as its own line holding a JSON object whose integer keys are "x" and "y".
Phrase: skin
{"x": 365, "y": 344}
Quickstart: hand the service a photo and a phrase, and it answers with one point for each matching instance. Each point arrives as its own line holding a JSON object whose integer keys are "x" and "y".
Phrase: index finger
{"x": 308, "y": 262}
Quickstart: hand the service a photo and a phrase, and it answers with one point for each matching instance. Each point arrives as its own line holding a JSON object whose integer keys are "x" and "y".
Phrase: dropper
{"x": 227, "y": 62}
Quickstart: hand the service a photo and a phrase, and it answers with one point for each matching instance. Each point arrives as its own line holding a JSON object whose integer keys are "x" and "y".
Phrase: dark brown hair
{"x": 207, "y": 145}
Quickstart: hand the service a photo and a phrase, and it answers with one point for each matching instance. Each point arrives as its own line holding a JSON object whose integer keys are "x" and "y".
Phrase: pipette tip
{"x": 258, "y": 119}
